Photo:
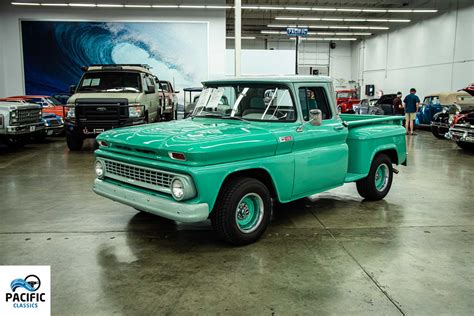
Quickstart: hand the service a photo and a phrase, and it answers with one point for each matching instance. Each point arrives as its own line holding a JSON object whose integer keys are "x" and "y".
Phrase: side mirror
{"x": 150, "y": 89}
{"x": 315, "y": 117}
{"x": 177, "y": 91}
{"x": 72, "y": 89}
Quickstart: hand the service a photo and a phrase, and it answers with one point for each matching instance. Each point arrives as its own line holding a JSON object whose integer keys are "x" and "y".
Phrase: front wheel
{"x": 242, "y": 211}
{"x": 436, "y": 133}
{"x": 377, "y": 184}
{"x": 466, "y": 146}
{"x": 74, "y": 143}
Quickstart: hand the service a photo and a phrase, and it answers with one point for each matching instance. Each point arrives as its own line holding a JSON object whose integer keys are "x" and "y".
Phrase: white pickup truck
{"x": 19, "y": 122}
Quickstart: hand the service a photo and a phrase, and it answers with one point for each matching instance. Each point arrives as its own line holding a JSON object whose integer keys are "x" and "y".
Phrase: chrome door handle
{"x": 338, "y": 128}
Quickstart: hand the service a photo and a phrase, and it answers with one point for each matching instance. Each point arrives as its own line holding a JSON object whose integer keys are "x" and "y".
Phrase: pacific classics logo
{"x": 27, "y": 295}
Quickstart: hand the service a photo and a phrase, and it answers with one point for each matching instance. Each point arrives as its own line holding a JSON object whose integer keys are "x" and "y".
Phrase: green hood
{"x": 203, "y": 141}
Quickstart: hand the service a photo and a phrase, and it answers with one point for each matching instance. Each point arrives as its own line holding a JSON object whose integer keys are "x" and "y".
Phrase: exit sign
{"x": 297, "y": 31}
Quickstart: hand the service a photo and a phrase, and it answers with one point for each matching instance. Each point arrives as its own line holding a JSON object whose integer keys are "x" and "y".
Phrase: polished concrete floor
{"x": 411, "y": 253}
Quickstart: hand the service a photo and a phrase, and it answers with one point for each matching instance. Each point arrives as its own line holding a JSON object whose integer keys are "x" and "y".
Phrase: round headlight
{"x": 177, "y": 189}
{"x": 99, "y": 169}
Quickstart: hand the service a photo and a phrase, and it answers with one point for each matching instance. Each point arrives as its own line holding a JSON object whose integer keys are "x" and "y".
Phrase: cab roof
{"x": 119, "y": 67}
{"x": 271, "y": 79}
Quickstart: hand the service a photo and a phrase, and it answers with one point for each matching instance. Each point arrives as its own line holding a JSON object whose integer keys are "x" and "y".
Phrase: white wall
{"x": 432, "y": 55}
{"x": 11, "y": 72}
{"x": 262, "y": 62}
{"x": 311, "y": 53}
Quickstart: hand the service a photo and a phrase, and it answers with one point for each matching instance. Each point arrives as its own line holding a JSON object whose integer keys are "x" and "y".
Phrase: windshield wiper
{"x": 235, "y": 118}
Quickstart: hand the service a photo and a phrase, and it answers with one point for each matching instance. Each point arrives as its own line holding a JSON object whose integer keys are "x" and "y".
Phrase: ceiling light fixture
{"x": 138, "y": 6}
{"x": 54, "y": 4}
{"x": 242, "y": 37}
{"x": 330, "y": 26}
{"x": 87, "y": 5}
{"x": 165, "y": 6}
{"x": 104, "y": 5}
{"x": 25, "y": 3}
{"x": 339, "y": 19}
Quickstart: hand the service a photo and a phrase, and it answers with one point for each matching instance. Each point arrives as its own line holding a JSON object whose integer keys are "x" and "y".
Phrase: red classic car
{"x": 345, "y": 100}
{"x": 49, "y": 104}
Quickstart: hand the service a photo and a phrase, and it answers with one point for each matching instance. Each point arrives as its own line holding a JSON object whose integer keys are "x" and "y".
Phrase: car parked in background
{"x": 62, "y": 98}
{"x": 462, "y": 131}
{"x": 366, "y": 106}
{"x": 170, "y": 100}
{"x": 48, "y": 103}
{"x": 111, "y": 96}
{"x": 428, "y": 108}
{"x": 19, "y": 122}
{"x": 453, "y": 103}
{"x": 345, "y": 100}
{"x": 191, "y": 95}
{"x": 53, "y": 123}
{"x": 384, "y": 105}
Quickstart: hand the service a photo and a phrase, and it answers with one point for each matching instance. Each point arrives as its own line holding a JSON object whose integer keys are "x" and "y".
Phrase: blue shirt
{"x": 411, "y": 100}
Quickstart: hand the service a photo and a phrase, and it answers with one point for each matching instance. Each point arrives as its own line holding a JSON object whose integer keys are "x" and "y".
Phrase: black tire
{"x": 74, "y": 143}
{"x": 436, "y": 133}
{"x": 466, "y": 146}
{"x": 367, "y": 187}
{"x": 225, "y": 214}
{"x": 16, "y": 142}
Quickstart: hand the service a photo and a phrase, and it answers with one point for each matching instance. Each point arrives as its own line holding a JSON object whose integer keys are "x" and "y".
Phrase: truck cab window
{"x": 314, "y": 98}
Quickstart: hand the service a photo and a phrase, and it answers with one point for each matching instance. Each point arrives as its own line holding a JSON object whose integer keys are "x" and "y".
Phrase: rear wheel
{"x": 242, "y": 211}
{"x": 74, "y": 143}
{"x": 436, "y": 133}
{"x": 377, "y": 184}
{"x": 466, "y": 146}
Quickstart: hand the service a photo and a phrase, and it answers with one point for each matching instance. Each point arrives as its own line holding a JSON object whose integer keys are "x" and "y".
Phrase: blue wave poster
{"x": 54, "y": 52}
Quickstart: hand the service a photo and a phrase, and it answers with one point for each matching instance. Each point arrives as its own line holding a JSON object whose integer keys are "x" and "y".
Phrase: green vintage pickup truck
{"x": 249, "y": 143}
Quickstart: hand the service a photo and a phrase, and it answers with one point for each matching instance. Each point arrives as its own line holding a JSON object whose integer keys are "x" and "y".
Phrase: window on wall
{"x": 314, "y": 98}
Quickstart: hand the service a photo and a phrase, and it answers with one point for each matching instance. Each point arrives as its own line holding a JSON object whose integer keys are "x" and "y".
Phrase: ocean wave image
{"x": 54, "y": 52}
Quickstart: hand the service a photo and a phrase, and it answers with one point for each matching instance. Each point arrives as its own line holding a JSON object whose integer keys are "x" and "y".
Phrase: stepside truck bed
{"x": 369, "y": 135}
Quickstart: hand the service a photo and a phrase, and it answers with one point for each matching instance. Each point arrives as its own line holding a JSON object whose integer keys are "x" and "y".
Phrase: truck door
{"x": 321, "y": 152}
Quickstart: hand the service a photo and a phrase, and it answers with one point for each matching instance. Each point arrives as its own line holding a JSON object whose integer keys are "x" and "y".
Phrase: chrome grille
{"x": 27, "y": 116}
{"x": 149, "y": 178}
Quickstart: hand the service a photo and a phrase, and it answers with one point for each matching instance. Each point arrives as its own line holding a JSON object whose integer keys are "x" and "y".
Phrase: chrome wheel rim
{"x": 381, "y": 177}
{"x": 249, "y": 213}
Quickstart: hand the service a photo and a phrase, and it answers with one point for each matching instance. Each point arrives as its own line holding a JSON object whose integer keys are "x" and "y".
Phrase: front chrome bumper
{"x": 461, "y": 135}
{"x": 178, "y": 211}
{"x": 438, "y": 124}
{"x": 24, "y": 129}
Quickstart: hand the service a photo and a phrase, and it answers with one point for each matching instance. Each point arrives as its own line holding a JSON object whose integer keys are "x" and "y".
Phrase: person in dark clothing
{"x": 398, "y": 105}
{"x": 411, "y": 103}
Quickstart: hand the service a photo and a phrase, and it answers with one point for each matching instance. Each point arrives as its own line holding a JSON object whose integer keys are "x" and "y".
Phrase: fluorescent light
{"x": 399, "y": 11}
{"x": 402, "y": 21}
{"x": 184, "y": 6}
{"x": 424, "y": 11}
{"x": 378, "y": 27}
{"x": 332, "y": 19}
{"x": 54, "y": 4}
{"x": 272, "y": 32}
{"x": 262, "y": 7}
{"x": 218, "y": 7}
{"x": 287, "y": 18}
{"x": 298, "y": 8}
{"x": 354, "y": 20}
{"x": 165, "y": 6}
{"x": 110, "y": 5}
{"x": 323, "y": 9}
{"x": 374, "y": 10}
{"x": 89, "y": 5}
{"x": 349, "y": 10}
{"x": 138, "y": 6}
{"x": 25, "y": 3}
{"x": 248, "y": 7}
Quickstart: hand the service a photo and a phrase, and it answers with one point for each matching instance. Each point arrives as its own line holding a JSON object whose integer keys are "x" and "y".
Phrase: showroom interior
{"x": 254, "y": 157}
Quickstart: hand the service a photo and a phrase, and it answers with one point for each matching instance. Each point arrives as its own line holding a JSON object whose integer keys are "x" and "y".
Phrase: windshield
{"x": 247, "y": 102}
{"x": 110, "y": 82}
{"x": 164, "y": 86}
{"x": 345, "y": 95}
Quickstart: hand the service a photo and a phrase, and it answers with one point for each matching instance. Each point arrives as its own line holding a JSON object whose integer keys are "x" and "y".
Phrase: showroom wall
{"x": 11, "y": 65}
{"x": 311, "y": 53}
{"x": 432, "y": 55}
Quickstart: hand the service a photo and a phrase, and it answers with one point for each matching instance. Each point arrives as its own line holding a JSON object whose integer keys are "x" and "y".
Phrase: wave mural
{"x": 54, "y": 52}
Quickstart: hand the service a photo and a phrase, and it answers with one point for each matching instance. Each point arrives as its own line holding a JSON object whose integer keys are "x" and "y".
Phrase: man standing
{"x": 411, "y": 103}
{"x": 397, "y": 105}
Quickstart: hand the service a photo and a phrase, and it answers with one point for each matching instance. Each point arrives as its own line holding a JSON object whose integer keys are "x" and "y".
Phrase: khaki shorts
{"x": 410, "y": 116}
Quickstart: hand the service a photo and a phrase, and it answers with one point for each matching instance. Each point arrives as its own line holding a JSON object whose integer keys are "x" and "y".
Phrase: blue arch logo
{"x": 31, "y": 283}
